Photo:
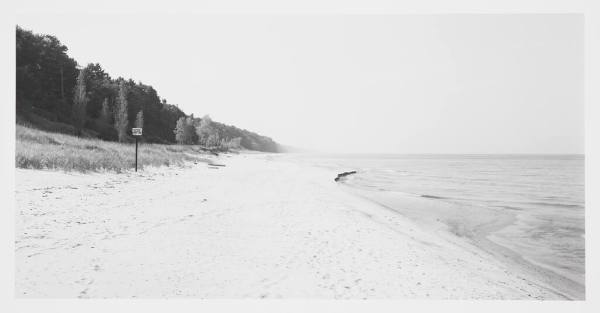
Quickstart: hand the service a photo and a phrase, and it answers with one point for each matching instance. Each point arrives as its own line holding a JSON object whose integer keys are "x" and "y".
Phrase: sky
{"x": 476, "y": 83}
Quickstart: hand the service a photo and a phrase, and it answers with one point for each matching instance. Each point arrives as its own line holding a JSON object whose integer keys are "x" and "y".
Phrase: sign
{"x": 137, "y": 132}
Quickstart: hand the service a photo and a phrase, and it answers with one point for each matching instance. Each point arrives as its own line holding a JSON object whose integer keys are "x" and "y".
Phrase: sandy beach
{"x": 258, "y": 227}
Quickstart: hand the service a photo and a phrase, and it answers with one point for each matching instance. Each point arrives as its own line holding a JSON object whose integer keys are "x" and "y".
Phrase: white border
{"x": 592, "y": 82}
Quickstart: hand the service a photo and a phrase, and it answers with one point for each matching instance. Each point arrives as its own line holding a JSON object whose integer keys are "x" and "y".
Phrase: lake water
{"x": 541, "y": 195}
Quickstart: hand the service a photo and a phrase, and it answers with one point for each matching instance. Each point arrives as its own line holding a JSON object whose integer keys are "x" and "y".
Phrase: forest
{"x": 54, "y": 93}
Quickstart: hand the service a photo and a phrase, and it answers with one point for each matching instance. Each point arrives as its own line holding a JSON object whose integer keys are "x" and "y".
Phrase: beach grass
{"x": 38, "y": 149}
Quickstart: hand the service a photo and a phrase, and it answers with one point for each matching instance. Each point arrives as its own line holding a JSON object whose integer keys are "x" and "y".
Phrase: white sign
{"x": 136, "y": 131}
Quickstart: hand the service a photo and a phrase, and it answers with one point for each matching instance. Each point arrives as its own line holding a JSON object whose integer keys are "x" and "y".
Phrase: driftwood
{"x": 214, "y": 164}
{"x": 344, "y": 174}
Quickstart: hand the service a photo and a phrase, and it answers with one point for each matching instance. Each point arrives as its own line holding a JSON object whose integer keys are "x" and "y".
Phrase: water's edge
{"x": 479, "y": 236}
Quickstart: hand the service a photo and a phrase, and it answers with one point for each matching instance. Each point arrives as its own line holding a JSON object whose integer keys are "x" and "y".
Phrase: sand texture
{"x": 258, "y": 227}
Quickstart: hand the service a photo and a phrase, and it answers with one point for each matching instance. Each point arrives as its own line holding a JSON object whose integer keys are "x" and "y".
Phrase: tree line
{"x": 208, "y": 133}
{"x": 55, "y": 94}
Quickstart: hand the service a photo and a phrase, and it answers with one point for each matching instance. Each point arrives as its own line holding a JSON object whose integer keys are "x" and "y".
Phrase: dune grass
{"x": 37, "y": 149}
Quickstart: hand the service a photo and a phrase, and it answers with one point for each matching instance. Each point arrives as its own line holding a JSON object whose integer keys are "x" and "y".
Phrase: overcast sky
{"x": 355, "y": 83}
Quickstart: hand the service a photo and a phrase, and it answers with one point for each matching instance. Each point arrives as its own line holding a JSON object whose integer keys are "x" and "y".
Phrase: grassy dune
{"x": 38, "y": 149}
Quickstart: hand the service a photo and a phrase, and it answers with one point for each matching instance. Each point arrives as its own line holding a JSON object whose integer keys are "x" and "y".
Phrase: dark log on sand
{"x": 344, "y": 174}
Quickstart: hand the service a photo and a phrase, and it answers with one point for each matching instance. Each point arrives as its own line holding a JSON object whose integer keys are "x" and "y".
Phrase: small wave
{"x": 433, "y": 197}
{"x": 508, "y": 207}
{"x": 555, "y": 204}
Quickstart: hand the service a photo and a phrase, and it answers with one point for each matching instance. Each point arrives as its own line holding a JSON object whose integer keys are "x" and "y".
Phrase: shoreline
{"x": 478, "y": 235}
{"x": 97, "y": 235}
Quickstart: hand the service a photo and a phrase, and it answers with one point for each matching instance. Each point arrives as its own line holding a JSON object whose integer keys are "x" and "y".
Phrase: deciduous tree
{"x": 185, "y": 130}
{"x": 80, "y": 100}
{"x": 105, "y": 113}
{"x": 204, "y": 130}
{"x": 139, "y": 119}
{"x": 121, "y": 119}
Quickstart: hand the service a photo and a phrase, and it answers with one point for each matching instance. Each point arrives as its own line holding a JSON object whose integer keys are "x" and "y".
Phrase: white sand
{"x": 257, "y": 228}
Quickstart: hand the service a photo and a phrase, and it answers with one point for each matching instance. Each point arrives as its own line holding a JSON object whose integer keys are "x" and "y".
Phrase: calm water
{"x": 544, "y": 193}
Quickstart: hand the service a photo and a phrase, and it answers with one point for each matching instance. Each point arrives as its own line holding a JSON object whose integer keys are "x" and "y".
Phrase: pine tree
{"x": 121, "y": 113}
{"x": 80, "y": 102}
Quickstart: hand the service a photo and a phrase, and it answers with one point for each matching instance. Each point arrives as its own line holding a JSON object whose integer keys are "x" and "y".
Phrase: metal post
{"x": 136, "y": 144}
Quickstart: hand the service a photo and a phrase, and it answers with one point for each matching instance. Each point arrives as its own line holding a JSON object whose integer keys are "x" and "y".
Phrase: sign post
{"x": 136, "y": 132}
